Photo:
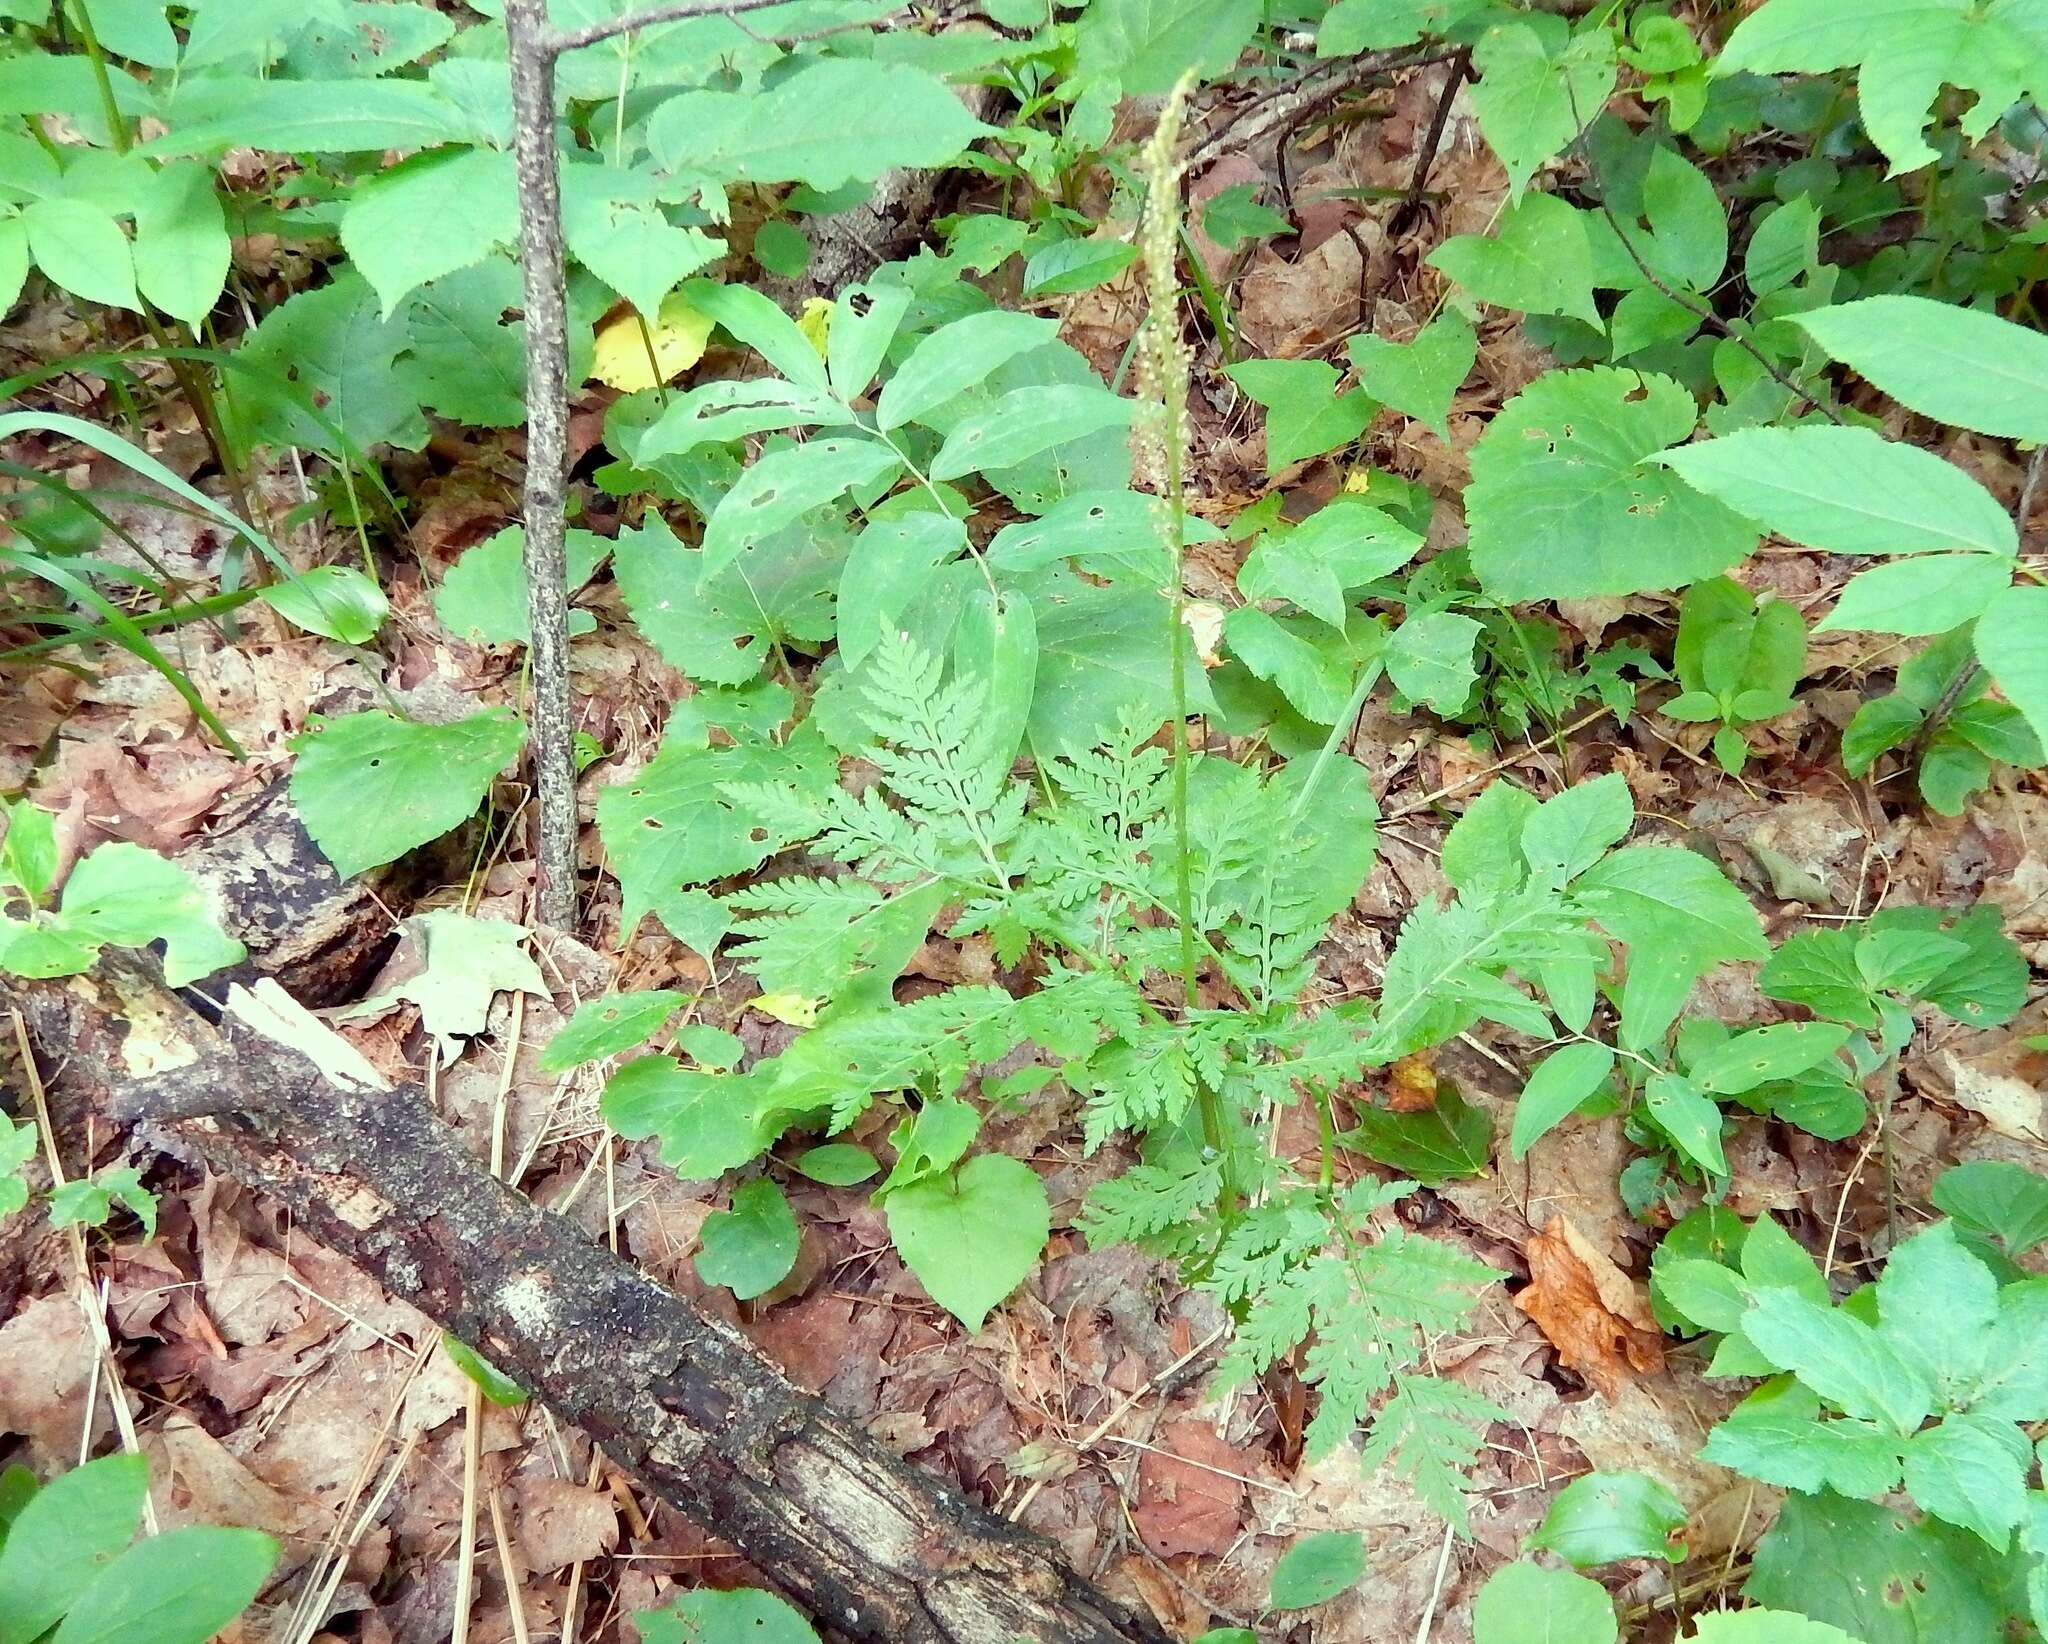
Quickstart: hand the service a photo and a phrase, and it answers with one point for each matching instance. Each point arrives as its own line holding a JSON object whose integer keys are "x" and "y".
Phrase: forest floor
{"x": 275, "y": 1387}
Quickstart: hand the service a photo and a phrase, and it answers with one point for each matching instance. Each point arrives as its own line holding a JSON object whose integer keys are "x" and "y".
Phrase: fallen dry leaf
{"x": 1188, "y": 1499}
{"x": 1411, "y": 1084}
{"x": 1595, "y": 1315}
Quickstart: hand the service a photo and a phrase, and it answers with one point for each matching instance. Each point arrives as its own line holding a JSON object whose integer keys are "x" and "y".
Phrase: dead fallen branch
{"x": 869, "y": 1545}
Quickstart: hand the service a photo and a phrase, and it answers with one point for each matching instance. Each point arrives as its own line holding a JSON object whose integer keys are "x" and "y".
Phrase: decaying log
{"x": 872, "y": 1547}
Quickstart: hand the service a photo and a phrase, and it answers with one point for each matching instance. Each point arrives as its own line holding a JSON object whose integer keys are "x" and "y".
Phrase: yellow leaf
{"x": 619, "y": 357}
{"x": 815, "y": 322}
{"x": 792, "y": 1008}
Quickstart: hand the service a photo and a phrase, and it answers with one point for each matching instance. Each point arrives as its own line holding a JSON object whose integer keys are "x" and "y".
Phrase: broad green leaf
{"x": 1311, "y": 667}
{"x": 1025, "y": 422}
{"x": 1818, "y": 969}
{"x": 1233, "y": 215}
{"x": 1657, "y": 895}
{"x": 1688, "y": 226}
{"x": 1305, "y": 416}
{"x": 1909, "y": 50}
{"x": 492, "y": 1382}
{"x": 1539, "y": 84}
{"x": 744, "y": 1615}
{"x": 1563, "y": 505}
{"x": 1955, "y": 365}
{"x": 1971, "y": 1472}
{"x": 781, "y": 248}
{"x": 483, "y": 597}
{"x": 1993, "y": 1196}
{"x": 1316, "y": 1569}
{"x": 970, "y": 1239}
{"x": 2012, "y": 642}
{"x": 181, "y": 1587}
{"x": 1066, "y": 266}
{"x": 1928, "y": 594}
{"x": 81, "y": 248}
{"x": 887, "y": 572}
{"x": 1525, "y": 1603}
{"x": 430, "y": 216}
{"x": 1343, "y": 545}
{"x": 708, "y": 1123}
{"x": 1483, "y": 850}
{"x": 1783, "y": 245}
{"x": 674, "y": 824}
{"x": 13, "y": 261}
{"x": 1778, "y": 1436}
{"x": 1986, "y": 984}
{"x": 1353, "y": 26}
{"x": 333, "y": 345}
{"x": 370, "y": 786}
{"x": 1557, "y": 1087}
{"x": 1537, "y": 260}
{"x": 463, "y": 359}
{"x": 837, "y": 1164}
{"x": 1569, "y": 832}
{"x": 780, "y": 487}
{"x": 181, "y": 247}
{"x": 796, "y": 131}
{"x": 466, "y": 963}
{"x": 1847, "y": 490}
{"x": 751, "y": 1247}
{"x": 1103, "y": 656}
{"x": 1885, "y": 1577}
{"x": 1839, "y": 1357}
{"x": 1429, "y": 659}
{"x": 613, "y": 225}
{"x": 1764, "y": 1627}
{"x": 605, "y": 1026}
{"x": 1781, "y": 1051}
{"x": 334, "y": 601}
{"x": 1689, "y": 1117}
{"x": 1441, "y": 1143}
{"x": 2014, "y": 1383}
{"x": 126, "y": 896}
{"x": 864, "y": 322}
{"x": 1703, "y": 1294}
{"x": 1937, "y": 1304}
{"x": 28, "y": 854}
{"x": 1422, "y": 375}
{"x": 69, "y": 1531}
{"x": 756, "y": 321}
{"x": 954, "y": 358}
{"x": 213, "y": 115}
{"x": 1605, "y": 1516}
{"x": 1144, "y": 46}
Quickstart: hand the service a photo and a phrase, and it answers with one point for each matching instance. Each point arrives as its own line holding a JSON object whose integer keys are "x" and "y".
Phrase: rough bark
{"x": 869, "y": 1545}
{"x": 533, "y": 51}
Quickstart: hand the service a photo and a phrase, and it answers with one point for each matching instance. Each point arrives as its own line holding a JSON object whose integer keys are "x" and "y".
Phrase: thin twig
{"x": 1418, "y": 184}
{"x": 557, "y": 41}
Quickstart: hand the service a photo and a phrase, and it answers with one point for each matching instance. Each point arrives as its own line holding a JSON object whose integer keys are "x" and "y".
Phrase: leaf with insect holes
{"x": 1563, "y": 505}
{"x": 605, "y": 1026}
{"x": 786, "y": 483}
{"x": 370, "y": 786}
{"x": 1781, "y": 1051}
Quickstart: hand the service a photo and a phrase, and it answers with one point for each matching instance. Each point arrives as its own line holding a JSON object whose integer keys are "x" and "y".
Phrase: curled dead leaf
{"x": 1596, "y": 1316}
{"x": 1411, "y": 1084}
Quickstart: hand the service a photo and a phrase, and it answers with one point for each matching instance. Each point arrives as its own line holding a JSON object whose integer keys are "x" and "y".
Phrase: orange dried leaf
{"x": 1596, "y": 1316}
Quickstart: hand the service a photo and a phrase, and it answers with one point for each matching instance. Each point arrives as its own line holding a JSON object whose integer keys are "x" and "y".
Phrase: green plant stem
{"x": 197, "y": 390}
